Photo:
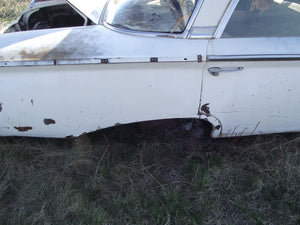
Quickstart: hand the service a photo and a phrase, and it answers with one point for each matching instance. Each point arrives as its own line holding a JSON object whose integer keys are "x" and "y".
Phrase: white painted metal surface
{"x": 49, "y": 101}
{"x": 261, "y": 98}
{"x": 94, "y": 42}
{"x": 70, "y": 98}
{"x": 65, "y": 82}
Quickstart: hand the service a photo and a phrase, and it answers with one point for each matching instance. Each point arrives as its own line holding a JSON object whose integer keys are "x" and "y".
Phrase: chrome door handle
{"x": 215, "y": 71}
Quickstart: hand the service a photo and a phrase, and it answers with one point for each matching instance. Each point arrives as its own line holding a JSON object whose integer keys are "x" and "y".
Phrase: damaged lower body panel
{"x": 69, "y": 100}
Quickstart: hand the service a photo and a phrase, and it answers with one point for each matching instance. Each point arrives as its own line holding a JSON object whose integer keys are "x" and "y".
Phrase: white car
{"x": 233, "y": 63}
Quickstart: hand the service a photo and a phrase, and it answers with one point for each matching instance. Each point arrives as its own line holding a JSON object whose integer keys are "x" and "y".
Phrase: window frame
{"x": 225, "y": 20}
{"x": 183, "y": 35}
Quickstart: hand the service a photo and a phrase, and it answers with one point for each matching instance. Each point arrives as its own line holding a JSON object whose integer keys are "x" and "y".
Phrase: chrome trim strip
{"x": 59, "y": 62}
{"x": 27, "y": 63}
{"x": 201, "y": 32}
{"x": 193, "y": 18}
{"x": 227, "y": 15}
{"x": 184, "y": 34}
{"x": 101, "y": 18}
{"x": 213, "y": 58}
{"x": 143, "y": 33}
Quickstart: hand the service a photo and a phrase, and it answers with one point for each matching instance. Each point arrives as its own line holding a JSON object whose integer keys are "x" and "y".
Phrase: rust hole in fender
{"x": 218, "y": 127}
{"x": 23, "y": 129}
{"x": 205, "y": 108}
{"x": 49, "y": 121}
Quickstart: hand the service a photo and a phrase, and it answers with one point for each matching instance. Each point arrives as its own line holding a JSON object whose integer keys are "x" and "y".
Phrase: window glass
{"x": 264, "y": 18}
{"x": 169, "y": 16}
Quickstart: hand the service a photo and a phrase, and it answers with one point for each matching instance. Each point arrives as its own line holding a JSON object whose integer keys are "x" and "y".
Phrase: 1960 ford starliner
{"x": 234, "y": 63}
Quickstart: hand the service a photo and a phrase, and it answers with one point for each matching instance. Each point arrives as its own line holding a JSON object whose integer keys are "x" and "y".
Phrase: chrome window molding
{"x": 193, "y": 18}
{"x": 101, "y": 18}
{"x": 227, "y": 15}
{"x": 184, "y": 34}
{"x": 258, "y": 57}
{"x": 201, "y": 32}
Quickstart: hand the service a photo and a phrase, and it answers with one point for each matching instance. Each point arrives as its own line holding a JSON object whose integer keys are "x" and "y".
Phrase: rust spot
{"x": 49, "y": 121}
{"x": 23, "y": 129}
{"x": 31, "y": 54}
{"x": 218, "y": 127}
{"x": 117, "y": 124}
{"x": 1, "y": 107}
{"x": 31, "y": 102}
{"x": 205, "y": 108}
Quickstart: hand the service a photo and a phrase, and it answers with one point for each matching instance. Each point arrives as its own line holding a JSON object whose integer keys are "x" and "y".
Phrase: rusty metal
{"x": 218, "y": 127}
{"x": 205, "y": 108}
{"x": 49, "y": 121}
{"x": 23, "y": 129}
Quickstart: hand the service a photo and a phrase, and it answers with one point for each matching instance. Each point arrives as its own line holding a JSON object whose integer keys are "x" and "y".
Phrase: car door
{"x": 250, "y": 82}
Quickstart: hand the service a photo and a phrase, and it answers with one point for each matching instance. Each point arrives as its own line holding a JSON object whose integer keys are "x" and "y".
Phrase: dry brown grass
{"x": 129, "y": 178}
{"x": 10, "y": 10}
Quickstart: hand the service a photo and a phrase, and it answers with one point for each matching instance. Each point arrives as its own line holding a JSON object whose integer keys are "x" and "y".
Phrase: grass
{"x": 10, "y": 10}
{"x": 128, "y": 177}
{"x": 170, "y": 179}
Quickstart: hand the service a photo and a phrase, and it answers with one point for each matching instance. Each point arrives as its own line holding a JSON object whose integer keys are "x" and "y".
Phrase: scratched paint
{"x": 79, "y": 108}
{"x": 49, "y": 121}
{"x": 23, "y": 129}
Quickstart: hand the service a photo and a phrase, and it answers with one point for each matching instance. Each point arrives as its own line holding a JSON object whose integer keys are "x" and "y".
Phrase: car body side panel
{"x": 260, "y": 97}
{"x": 94, "y": 42}
{"x": 60, "y": 101}
{"x": 69, "y": 81}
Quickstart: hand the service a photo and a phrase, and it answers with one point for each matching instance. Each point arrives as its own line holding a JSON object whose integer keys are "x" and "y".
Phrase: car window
{"x": 264, "y": 18}
{"x": 170, "y": 16}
